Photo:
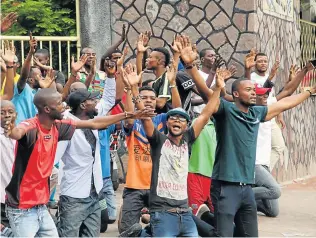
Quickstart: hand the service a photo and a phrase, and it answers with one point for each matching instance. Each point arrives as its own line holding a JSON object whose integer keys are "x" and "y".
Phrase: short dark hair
{"x": 236, "y": 83}
{"x": 145, "y": 83}
{"x": 43, "y": 51}
{"x": 260, "y": 54}
{"x": 147, "y": 88}
{"x": 81, "y": 51}
{"x": 203, "y": 52}
{"x": 165, "y": 52}
{"x": 116, "y": 51}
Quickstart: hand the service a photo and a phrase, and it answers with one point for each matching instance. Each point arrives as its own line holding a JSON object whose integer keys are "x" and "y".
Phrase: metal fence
{"x": 308, "y": 51}
{"x": 61, "y": 48}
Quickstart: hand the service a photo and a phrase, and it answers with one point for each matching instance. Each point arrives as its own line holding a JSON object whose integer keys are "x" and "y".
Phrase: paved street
{"x": 297, "y": 212}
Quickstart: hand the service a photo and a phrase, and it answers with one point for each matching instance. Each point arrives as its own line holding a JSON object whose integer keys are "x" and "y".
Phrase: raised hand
{"x": 93, "y": 66}
{"x": 309, "y": 66}
{"x": 294, "y": 70}
{"x": 141, "y": 47}
{"x": 39, "y": 64}
{"x": 172, "y": 72}
{"x": 8, "y": 127}
{"x": 120, "y": 61}
{"x": 8, "y": 21}
{"x": 76, "y": 66}
{"x": 3, "y": 65}
{"x": 123, "y": 35}
{"x": 176, "y": 45}
{"x": 220, "y": 78}
{"x": 218, "y": 63}
{"x": 250, "y": 59}
{"x": 188, "y": 52}
{"x": 131, "y": 75}
{"x": 8, "y": 52}
{"x": 227, "y": 73}
{"x": 274, "y": 69}
{"x": 146, "y": 38}
{"x": 33, "y": 44}
{"x": 48, "y": 80}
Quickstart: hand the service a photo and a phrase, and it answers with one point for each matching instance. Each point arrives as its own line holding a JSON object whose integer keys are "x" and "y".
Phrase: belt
{"x": 179, "y": 210}
{"x": 234, "y": 183}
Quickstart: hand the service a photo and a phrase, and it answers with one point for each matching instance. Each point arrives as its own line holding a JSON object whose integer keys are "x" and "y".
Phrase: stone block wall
{"x": 231, "y": 28}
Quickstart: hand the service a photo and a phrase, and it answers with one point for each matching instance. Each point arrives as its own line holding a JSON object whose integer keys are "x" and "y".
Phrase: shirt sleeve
{"x": 221, "y": 108}
{"x": 183, "y": 80}
{"x": 108, "y": 98}
{"x": 30, "y": 128}
{"x": 61, "y": 148}
{"x": 66, "y": 129}
{"x": 155, "y": 139}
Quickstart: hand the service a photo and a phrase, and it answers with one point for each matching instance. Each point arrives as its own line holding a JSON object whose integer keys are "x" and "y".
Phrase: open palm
{"x": 8, "y": 52}
{"x": 131, "y": 75}
{"x": 76, "y": 66}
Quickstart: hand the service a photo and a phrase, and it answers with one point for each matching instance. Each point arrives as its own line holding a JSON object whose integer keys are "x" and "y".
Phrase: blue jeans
{"x": 234, "y": 203}
{"x": 31, "y": 222}
{"x": 168, "y": 224}
{"x": 107, "y": 192}
{"x": 79, "y": 217}
{"x": 267, "y": 192}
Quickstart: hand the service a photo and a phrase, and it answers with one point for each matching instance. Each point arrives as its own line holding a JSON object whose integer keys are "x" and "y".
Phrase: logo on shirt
{"x": 188, "y": 84}
{"x": 47, "y": 137}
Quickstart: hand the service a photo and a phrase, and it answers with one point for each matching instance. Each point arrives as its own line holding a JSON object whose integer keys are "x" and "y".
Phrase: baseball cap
{"x": 178, "y": 111}
{"x": 262, "y": 91}
{"x": 79, "y": 96}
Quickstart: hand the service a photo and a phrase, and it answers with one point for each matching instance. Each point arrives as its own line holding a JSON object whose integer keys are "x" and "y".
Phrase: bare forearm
{"x": 9, "y": 85}
{"x": 248, "y": 73}
{"x": 112, "y": 48}
{"x": 70, "y": 81}
{"x": 16, "y": 133}
{"x": 89, "y": 79}
{"x": 119, "y": 87}
{"x": 175, "y": 97}
{"x": 129, "y": 106}
{"x": 25, "y": 72}
{"x": 197, "y": 101}
{"x": 291, "y": 86}
{"x": 140, "y": 105}
{"x": 102, "y": 122}
{"x": 200, "y": 84}
{"x": 139, "y": 62}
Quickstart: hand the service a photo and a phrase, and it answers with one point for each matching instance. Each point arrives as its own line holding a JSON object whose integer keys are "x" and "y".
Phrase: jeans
{"x": 79, "y": 217}
{"x": 134, "y": 200}
{"x": 277, "y": 144}
{"x": 234, "y": 203}
{"x": 168, "y": 224}
{"x": 35, "y": 221}
{"x": 267, "y": 191}
{"x": 107, "y": 192}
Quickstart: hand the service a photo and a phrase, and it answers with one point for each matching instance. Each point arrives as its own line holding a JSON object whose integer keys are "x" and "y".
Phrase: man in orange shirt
{"x": 138, "y": 178}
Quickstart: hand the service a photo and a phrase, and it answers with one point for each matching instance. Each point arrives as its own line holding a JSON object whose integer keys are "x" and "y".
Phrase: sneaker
{"x": 133, "y": 231}
{"x": 202, "y": 209}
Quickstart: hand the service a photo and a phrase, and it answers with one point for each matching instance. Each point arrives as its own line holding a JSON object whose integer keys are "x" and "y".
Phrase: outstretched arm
{"x": 288, "y": 103}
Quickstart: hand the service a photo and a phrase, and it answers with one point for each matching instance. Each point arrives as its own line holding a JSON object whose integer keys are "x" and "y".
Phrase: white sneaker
{"x": 202, "y": 209}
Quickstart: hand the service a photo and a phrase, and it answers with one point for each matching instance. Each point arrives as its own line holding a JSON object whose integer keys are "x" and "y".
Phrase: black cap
{"x": 79, "y": 96}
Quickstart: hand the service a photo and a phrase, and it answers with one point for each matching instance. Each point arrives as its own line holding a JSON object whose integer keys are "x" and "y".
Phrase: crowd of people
{"x": 198, "y": 156}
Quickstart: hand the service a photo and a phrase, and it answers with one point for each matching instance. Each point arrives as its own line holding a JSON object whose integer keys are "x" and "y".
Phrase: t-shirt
{"x": 97, "y": 84}
{"x": 236, "y": 142}
{"x": 16, "y": 79}
{"x": 104, "y": 137}
{"x": 263, "y": 153}
{"x": 34, "y": 161}
{"x": 198, "y": 109}
{"x": 185, "y": 85}
{"x": 139, "y": 160}
{"x": 260, "y": 80}
{"x": 161, "y": 87}
{"x": 23, "y": 103}
{"x": 203, "y": 151}
{"x": 170, "y": 171}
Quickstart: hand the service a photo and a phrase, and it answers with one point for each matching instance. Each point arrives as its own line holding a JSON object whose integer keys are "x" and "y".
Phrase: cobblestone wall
{"x": 232, "y": 28}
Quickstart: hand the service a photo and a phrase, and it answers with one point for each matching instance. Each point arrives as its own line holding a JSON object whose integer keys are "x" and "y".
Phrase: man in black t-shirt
{"x": 170, "y": 214}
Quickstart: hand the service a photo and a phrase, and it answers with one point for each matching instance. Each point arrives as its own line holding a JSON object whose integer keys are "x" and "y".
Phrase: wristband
{"x": 189, "y": 66}
{"x": 310, "y": 92}
{"x": 173, "y": 86}
{"x": 9, "y": 66}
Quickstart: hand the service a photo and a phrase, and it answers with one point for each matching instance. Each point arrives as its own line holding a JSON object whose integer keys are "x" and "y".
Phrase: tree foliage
{"x": 42, "y": 17}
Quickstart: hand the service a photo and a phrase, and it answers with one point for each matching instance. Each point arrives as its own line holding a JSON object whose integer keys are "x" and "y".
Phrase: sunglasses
{"x": 181, "y": 119}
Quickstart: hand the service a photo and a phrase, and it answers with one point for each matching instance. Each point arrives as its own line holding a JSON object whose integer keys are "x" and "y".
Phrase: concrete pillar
{"x": 95, "y": 20}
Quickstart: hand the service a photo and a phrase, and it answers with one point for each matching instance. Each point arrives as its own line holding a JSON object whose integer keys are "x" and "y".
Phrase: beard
{"x": 175, "y": 135}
